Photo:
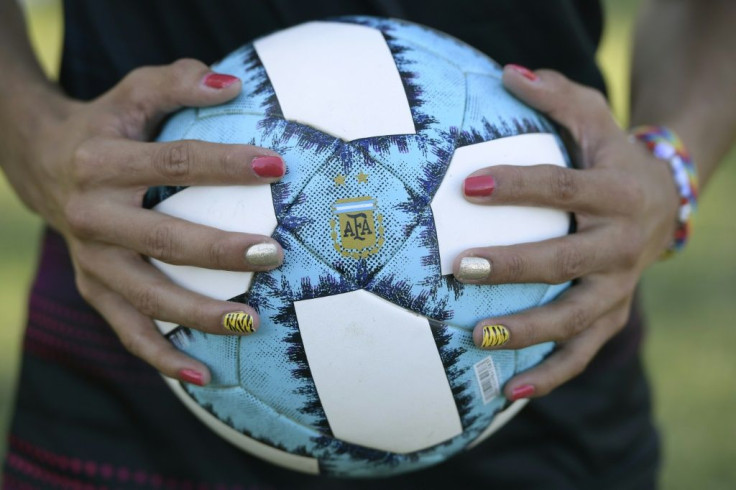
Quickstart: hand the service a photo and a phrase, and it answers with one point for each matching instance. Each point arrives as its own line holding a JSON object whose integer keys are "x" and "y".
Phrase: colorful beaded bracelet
{"x": 666, "y": 145}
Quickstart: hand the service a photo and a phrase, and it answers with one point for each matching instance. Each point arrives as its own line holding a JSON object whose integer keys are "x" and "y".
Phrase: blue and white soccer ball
{"x": 364, "y": 363}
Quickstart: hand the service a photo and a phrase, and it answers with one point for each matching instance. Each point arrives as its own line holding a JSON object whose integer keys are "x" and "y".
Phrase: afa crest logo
{"x": 357, "y": 227}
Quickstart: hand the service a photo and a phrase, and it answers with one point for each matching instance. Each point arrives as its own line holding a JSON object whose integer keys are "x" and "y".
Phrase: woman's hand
{"x": 625, "y": 205}
{"x": 86, "y": 173}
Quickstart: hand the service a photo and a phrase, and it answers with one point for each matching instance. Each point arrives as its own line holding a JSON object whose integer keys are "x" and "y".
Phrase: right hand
{"x": 86, "y": 174}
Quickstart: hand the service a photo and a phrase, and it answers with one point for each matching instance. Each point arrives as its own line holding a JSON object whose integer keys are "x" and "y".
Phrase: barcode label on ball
{"x": 485, "y": 371}
{"x": 180, "y": 338}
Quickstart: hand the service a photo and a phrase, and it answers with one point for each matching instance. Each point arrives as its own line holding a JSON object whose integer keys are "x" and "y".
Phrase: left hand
{"x": 625, "y": 205}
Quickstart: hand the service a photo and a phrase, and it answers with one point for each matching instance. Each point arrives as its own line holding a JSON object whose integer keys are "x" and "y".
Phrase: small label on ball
{"x": 485, "y": 372}
{"x": 357, "y": 230}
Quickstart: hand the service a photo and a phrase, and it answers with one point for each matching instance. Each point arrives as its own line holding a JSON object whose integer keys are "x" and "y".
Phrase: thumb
{"x": 147, "y": 94}
{"x": 582, "y": 110}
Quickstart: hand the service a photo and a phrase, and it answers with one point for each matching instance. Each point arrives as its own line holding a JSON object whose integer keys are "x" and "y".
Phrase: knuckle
{"x": 564, "y": 185}
{"x": 136, "y": 118}
{"x": 133, "y": 79}
{"x": 133, "y": 342}
{"x": 553, "y": 76}
{"x": 138, "y": 94}
{"x": 79, "y": 218}
{"x": 633, "y": 195}
{"x": 629, "y": 253}
{"x": 160, "y": 243}
{"x": 181, "y": 71}
{"x": 184, "y": 66}
{"x": 630, "y": 248}
{"x": 514, "y": 176}
{"x": 620, "y": 318}
{"x": 174, "y": 160}
{"x": 515, "y": 267}
{"x": 136, "y": 85}
{"x": 569, "y": 264}
{"x": 578, "y": 364}
{"x": 203, "y": 316}
{"x": 219, "y": 254}
{"x": 556, "y": 84}
{"x": 136, "y": 111}
{"x": 138, "y": 75}
{"x": 578, "y": 320}
{"x": 229, "y": 163}
{"x": 147, "y": 301}
{"x": 86, "y": 163}
{"x": 85, "y": 288}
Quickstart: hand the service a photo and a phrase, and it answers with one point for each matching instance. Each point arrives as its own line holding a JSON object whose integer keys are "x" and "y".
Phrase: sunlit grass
{"x": 691, "y": 300}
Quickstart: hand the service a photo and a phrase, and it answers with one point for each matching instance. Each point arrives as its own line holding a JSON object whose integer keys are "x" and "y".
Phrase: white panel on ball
{"x": 165, "y": 327}
{"x": 349, "y": 90}
{"x": 227, "y": 208}
{"x": 461, "y": 225}
{"x": 358, "y": 346}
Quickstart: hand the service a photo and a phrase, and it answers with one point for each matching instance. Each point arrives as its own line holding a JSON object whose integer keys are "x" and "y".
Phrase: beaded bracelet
{"x": 666, "y": 145}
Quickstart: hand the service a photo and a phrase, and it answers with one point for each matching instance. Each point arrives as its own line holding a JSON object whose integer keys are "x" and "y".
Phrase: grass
{"x": 690, "y": 299}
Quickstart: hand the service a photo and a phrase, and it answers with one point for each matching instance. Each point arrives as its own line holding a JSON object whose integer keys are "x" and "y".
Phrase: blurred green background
{"x": 691, "y": 300}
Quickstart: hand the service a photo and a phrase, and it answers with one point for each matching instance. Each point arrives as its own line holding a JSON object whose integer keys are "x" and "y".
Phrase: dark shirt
{"x": 106, "y": 39}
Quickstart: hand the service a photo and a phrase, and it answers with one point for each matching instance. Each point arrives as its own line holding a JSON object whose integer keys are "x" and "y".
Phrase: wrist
{"x": 31, "y": 119}
{"x": 27, "y": 115}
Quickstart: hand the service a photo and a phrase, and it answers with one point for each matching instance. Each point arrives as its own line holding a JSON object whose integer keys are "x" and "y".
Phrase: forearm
{"x": 29, "y": 105}
{"x": 26, "y": 94}
{"x": 684, "y": 75}
{"x": 20, "y": 68}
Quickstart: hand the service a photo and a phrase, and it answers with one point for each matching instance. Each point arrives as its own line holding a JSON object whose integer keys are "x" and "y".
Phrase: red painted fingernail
{"x": 219, "y": 80}
{"x": 480, "y": 185}
{"x": 525, "y": 72}
{"x": 191, "y": 376}
{"x": 268, "y": 166}
{"x": 523, "y": 391}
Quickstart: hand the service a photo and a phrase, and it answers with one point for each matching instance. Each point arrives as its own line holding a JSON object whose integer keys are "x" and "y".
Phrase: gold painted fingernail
{"x": 494, "y": 336}
{"x": 473, "y": 269}
{"x": 263, "y": 254}
{"x": 238, "y": 322}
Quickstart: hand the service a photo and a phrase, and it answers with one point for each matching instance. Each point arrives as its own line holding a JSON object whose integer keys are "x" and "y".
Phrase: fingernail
{"x": 191, "y": 376}
{"x": 268, "y": 167}
{"x": 479, "y": 186}
{"x": 494, "y": 336}
{"x": 238, "y": 322}
{"x": 263, "y": 254}
{"x": 473, "y": 269}
{"x": 525, "y": 72}
{"x": 523, "y": 391}
{"x": 219, "y": 80}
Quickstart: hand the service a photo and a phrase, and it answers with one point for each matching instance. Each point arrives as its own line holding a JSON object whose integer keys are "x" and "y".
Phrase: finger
{"x": 177, "y": 241}
{"x": 568, "y": 361}
{"x": 155, "y": 296}
{"x": 582, "y": 110}
{"x": 548, "y": 186}
{"x": 573, "y": 312}
{"x": 139, "y": 336}
{"x": 186, "y": 162}
{"x": 146, "y": 94}
{"x": 552, "y": 261}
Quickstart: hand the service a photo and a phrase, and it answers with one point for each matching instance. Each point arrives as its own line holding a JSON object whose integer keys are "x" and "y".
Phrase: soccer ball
{"x": 364, "y": 363}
